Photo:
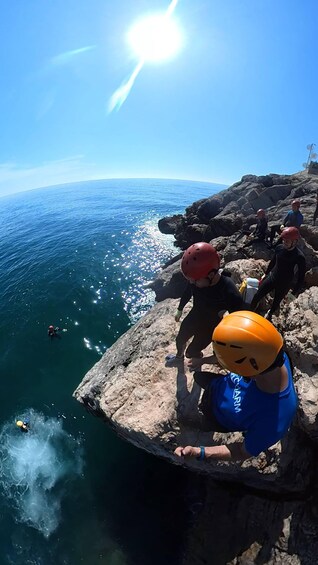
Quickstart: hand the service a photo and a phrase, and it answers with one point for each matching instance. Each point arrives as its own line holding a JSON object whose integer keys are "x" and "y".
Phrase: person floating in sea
{"x": 53, "y": 332}
{"x": 293, "y": 218}
{"x": 280, "y": 271}
{"x": 23, "y": 425}
{"x": 213, "y": 293}
{"x": 257, "y": 395}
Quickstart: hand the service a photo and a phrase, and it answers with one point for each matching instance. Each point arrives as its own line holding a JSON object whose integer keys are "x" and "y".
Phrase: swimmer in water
{"x": 53, "y": 332}
{"x": 23, "y": 425}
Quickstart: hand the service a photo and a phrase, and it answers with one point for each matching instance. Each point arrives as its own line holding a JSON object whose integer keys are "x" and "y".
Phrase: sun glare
{"x": 155, "y": 38}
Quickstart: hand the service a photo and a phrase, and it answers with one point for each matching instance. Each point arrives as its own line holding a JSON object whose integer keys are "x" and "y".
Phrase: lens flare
{"x": 155, "y": 38}
{"x": 152, "y": 39}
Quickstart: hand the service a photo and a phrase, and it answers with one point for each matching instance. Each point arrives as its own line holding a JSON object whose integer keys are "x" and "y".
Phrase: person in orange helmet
{"x": 256, "y": 396}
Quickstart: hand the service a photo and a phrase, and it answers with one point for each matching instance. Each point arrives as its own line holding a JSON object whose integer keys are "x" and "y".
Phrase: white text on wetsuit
{"x": 237, "y": 398}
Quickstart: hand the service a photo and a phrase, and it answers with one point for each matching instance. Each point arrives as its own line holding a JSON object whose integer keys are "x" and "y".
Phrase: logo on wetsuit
{"x": 237, "y": 397}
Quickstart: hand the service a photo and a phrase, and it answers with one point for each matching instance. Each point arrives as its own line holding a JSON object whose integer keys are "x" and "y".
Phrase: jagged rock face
{"x": 168, "y": 225}
{"x": 156, "y": 408}
{"x": 223, "y": 229}
{"x": 236, "y": 528}
{"x": 272, "y": 192}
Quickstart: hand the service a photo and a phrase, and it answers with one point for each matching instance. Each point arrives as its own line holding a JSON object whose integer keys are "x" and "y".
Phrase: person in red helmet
{"x": 281, "y": 270}
{"x": 53, "y": 332}
{"x": 293, "y": 218}
{"x": 213, "y": 293}
{"x": 259, "y": 233}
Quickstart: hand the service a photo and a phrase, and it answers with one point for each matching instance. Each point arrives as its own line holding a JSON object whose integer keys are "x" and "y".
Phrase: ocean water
{"x": 79, "y": 256}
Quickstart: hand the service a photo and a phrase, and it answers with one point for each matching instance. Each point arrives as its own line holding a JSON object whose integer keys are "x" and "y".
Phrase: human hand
{"x": 178, "y": 315}
{"x": 195, "y": 363}
{"x": 188, "y": 451}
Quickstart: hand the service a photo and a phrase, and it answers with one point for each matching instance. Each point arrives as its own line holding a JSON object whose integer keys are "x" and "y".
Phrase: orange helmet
{"x": 291, "y": 233}
{"x": 296, "y": 203}
{"x": 260, "y": 213}
{"x": 199, "y": 260}
{"x": 245, "y": 343}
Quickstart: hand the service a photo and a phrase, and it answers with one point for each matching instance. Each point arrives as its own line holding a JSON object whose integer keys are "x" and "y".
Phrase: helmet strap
{"x": 279, "y": 362}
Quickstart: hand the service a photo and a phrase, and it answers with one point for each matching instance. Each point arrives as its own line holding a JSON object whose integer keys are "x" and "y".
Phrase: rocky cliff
{"x": 155, "y": 408}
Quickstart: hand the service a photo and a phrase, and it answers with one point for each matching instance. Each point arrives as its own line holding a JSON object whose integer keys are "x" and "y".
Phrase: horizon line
{"x": 225, "y": 185}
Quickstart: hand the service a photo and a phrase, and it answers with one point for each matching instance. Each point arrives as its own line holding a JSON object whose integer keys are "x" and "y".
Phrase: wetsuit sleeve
{"x": 300, "y": 219}
{"x": 301, "y": 272}
{"x": 262, "y": 436}
{"x": 186, "y": 296}
{"x": 234, "y": 298}
{"x": 271, "y": 265}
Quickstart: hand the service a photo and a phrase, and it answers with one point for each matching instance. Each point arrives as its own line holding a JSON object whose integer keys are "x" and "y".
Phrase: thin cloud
{"x": 66, "y": 57}
{"x": 14, "y": 178}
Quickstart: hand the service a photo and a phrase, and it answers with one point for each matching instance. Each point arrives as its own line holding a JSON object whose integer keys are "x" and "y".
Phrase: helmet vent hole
{"x": 239, "y": 361}
{"x": 236, "y": 346}
{"x": 220, "y": 343}
{"x": 254, "y": 364}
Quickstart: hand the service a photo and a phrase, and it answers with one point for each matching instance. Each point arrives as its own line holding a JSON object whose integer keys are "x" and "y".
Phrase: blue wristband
{"x": 201, "y": 457}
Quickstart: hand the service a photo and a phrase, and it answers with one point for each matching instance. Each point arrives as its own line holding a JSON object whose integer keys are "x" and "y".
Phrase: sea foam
{"x": 35, "y": 468}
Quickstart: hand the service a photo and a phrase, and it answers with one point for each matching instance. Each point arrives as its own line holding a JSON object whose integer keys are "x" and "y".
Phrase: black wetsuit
{"x": 204, "y": 316}
{"x": 259, "y": 233}
{"x": 280, "y": 274}
{"x": 316, "y": 211}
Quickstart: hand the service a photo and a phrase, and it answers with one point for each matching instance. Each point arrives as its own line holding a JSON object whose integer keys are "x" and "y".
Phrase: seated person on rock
{"x": 212, "y": 293}
{"x": 280, "y": 271}
{"x": 260, "y": 232}
{"x": 257, "y": 397}
{"x": 293, "y": 218}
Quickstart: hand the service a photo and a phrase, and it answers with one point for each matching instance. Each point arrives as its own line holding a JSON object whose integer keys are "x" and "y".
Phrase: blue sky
{"x": 240, "y": 97}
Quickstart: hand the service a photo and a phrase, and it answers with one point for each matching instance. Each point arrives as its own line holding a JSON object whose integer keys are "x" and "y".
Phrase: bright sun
{"x": 155, "y": 38}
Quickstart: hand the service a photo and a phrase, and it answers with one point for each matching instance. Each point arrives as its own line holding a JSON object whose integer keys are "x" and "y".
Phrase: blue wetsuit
{"x": 239, "y": 405}
{"x": 293, "y": 219}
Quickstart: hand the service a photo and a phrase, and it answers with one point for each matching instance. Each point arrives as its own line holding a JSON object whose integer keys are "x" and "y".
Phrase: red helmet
{"x": 290, "y": 233}
{"x": 296, "y": 203}
{"x": 199, "y": 260}
{"x": 260, "y": 213}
